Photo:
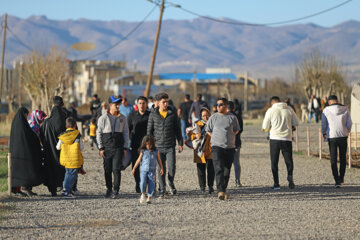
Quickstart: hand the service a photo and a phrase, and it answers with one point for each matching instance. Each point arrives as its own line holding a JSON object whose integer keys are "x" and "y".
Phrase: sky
{"x": 252, "y": 11}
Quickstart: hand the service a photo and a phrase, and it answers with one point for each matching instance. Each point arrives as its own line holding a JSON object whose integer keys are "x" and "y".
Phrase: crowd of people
{"x": 48, "y": 150}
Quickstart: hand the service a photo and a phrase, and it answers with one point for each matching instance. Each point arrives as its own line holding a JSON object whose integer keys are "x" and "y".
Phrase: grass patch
{"x": 3, "y": 170}
{"x": 298, "y": 152}
{"x": 249, "y": 122}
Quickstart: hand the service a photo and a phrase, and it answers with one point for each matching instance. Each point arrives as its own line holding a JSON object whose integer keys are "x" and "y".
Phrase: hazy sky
{"x": 253, "y": 11}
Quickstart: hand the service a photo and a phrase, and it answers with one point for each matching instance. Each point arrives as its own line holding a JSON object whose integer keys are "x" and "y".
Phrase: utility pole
{"x": 148, "y": 83}
{"x": 3, "y": 55}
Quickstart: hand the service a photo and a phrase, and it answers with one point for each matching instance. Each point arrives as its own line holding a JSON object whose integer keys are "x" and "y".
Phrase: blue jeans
{"x": 236, "y": 163}
{"x": 148, "y": 178}
{"x": 184, "y": 125}
{"x": 71, "y": 175}
{"x": 312, "y": 115}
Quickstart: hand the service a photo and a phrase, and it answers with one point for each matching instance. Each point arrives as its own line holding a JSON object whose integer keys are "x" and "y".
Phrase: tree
{"x": 45, "y": 76}
{"x": 322, "y": 75}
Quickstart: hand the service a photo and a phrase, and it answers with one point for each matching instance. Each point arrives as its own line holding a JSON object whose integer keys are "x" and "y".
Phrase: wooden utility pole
{"x": 148, "y": 83}
{"x": 3, "y": 54}
{"x": 246, "y": 92}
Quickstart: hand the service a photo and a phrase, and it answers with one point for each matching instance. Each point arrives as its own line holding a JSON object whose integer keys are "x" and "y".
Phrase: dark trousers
{"x": 334, "y": 144}
{"x": 168, "y": 159}
{"x": 222, "y": 160}
{"x": 286, "y": 150}
{"x": 201, "y": 171}
{"x": 93, "y": 141}
{"x": 134, "y": 157}
{"x": 112, "y": 165}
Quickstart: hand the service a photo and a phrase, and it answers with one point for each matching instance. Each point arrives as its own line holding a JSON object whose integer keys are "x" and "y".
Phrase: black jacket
{"x": 165, "y": 131}
{"x": 241, "y": 124}
{"x": 137, "y": 124}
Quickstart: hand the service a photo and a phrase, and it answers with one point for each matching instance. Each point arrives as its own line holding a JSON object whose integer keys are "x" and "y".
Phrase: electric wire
{"x": 261, "y": 24}
{"x": 126, "y": 36}
{"x": 18, "y": 39}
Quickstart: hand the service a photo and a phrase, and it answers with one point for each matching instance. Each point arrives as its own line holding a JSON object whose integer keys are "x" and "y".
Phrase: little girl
{"x": 148, "y": 157}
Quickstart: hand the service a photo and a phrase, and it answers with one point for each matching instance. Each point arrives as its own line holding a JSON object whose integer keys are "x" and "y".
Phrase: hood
{"x": 337, "y": 109}
{"x": 69, "y": 136}
{"x": 280, "y": 105}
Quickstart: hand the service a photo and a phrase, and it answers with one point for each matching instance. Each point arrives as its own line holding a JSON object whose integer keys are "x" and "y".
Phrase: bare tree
{"x": 322, "y": 75}
{"x": 45, "y": 76}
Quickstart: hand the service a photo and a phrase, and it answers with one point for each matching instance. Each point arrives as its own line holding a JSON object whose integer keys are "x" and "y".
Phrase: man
{"x": 125, "y": 109}
{"x": 222, "y": 127}
{"x": 50, "y": 130}
{"x": 336, "y": 125}
{"x": 163, "y": 124}
{"x": 151, "y": 102}
{"x": 313, "y": 108}
{"x": 137, "y": 123}
{"x": 183, "y": 114}
{"x": 194, "y": 112}
{"x": 237, "y": 167}
{"x": 73, "y": 112}
{"x": 94, "y": 105}
{"x": 112, "y": 136}
{"x": 280, "y": 120}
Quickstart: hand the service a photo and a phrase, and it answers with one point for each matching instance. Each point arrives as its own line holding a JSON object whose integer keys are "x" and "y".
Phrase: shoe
{"x": 148, "y": 200}
{"x": 69, "y": 196}
{"x": 142, "y": 198}
{"x": 275, "y": 187}
{"x": 211, "y": 190}
{"x": 291, "y": 184}
{"x": 30, "y": 193}
{"x": 173, "y": 191}
{"x": 202, "y": 190}
{"x": 337, "y": 185}
{"x": 237, "y": 183}
{"x": 115, "y": 195}
{"x": 53, "y": 194}
{"x": 82, "y": 171}
{"x": 221, "y": 195}
{"x": 108, "y": 194}
{"x": 137, "y": 188}
{"x": 21, "y": 194}
{"x": 226, "y": 196}
{"x": 63, "y": 191}
{"x": 75, "y": 192}
{"x": 161, "y": 195}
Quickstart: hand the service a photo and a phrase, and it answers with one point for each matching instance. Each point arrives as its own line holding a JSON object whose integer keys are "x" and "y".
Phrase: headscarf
{"x": 36, "y": 117}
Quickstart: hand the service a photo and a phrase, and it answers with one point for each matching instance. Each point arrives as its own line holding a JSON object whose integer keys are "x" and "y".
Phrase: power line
{"x": 261, "y": 24}
{"x": 126, "y": 36}
{"x": 18, "y": 40}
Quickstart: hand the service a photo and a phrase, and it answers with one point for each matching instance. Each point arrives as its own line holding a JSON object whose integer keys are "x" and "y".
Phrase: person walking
{"x": 92, "y": 133}
{"x": 236, "y": 162}
{"x": 70, "y": 146}
{"x": 112, "y": 136}
{"x": 183, "y": 114}
{"x": 137, "y": 123}
{"x": 336, "y": 126}
{"x": 164, "y": 125}
{"x": 280, "y": 120}
{"x": 148, "y": 157}
{"x": 313, "y": 108}
{"x": 95, "y": 105}
{"x": 202, "y": 154}
{"x": 194, "y": 112}
{"x": 125, "y": 109}
{"x": 222, "y": 127}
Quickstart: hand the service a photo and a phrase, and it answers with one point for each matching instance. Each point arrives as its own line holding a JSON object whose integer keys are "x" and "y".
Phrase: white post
{"x": 320, "y": 144}
{"x": 297, "y": 138}
{"x": 308, "y": 140}
{"x": 349, "y": 150}
{"x": 9, "y": 174}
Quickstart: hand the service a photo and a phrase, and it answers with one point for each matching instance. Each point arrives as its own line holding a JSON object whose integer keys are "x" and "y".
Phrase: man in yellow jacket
{"x": 70, "y": 146}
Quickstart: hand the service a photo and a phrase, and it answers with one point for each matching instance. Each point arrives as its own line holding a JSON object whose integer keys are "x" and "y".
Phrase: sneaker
{"x": 75, "y": 192}
{"x": 30, "y": 193}
{"x": 226, "y": 196}
{"x": 211, "y": 190}
{"x": 82, "y": 171}
{"x": 142, "y": 198}
{"x": 202, "y": 190}
{"x": 161, "y": 195}
{"x": 21, "y": 194}
{"x": 337, "y": 185}
{"x": 291, "y": 185}
{"x": 275, "y": 187}
{"x": 63, "y": 191}
{"x": 69, "y": 196}
{"x": 148, "y": 200}
{"x": 221, "y": 195}
{"x": 173, "y": 191}
{"x": 115, "y": 195}
{"x": 237, "y": 183}
{"x": 108, "y": 194}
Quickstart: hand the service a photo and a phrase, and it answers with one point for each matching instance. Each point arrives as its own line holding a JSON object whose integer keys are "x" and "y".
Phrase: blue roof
{"x": 199, "y": 76}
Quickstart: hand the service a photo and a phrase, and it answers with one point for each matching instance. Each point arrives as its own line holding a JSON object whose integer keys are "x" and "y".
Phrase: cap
{"x": 114, "y": 99}
{"x": 332, "y": 97}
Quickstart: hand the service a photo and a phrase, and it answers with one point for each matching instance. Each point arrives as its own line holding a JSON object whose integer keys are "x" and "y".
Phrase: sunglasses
{"x": 220, "y": 104}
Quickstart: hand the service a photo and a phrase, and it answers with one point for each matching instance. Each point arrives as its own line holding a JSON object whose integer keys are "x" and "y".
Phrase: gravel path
{"x": 314, "y": 209}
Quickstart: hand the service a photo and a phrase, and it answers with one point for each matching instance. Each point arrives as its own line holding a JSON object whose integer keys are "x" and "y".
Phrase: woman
{"x": 35, "y": 120}
{"x": 26, "y": 154}
{"x": 202, "y": 155}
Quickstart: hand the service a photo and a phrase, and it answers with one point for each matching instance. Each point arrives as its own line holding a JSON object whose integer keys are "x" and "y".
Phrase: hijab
{"x": 36, "y": 117}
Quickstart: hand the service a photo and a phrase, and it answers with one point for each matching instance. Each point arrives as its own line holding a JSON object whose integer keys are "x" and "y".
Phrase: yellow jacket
{"x": 70, "y": 153}
{"x": 92, "y": 130}
{"x": 207, "y": 150}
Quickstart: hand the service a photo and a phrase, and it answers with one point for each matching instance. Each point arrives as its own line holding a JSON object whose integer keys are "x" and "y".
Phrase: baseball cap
{"x": 114, "y": 99}
{"x": 332, "y": 97}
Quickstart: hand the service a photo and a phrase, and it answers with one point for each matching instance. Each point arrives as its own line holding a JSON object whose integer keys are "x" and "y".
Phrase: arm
{"x": 160, "y": 164}
{"x": 129, "y": 122}
{"x": 236, "y": 126}
{"x": 294, "y": 120}
{"x": 324, "y": 126}
{"x": 81, "y": 144}
{"x": 179, "y": 112}
{"x": 266, "y": 123}
{"x": 150, "y": 126}
{"x": 126, "y": 134}
{"x": 348, "y": 123}
{"x": 137, "y": 163}
{"x": 99, "y": 132}
{"x": 58, "y": 145}
{"x": 178, "y": 131}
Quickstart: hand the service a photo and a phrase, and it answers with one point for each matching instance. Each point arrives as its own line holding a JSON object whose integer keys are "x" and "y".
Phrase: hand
{"x": 102, "y": 153}
{"x": 180, "y": 149}
{"x": 198, "y": 135}
{"x": 161, "y": 171}
{"x": 324, "y": 136}
{"x": 125, "y": 153}
{"x": 189, "y": 121}
{"x": 133, "y": 172}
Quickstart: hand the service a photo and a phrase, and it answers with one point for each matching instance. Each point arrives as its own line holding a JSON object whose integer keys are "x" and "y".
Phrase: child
{"x": 92, "y": 133}
{"x": 148, "y": 157}
{"x": 70, "y": 146}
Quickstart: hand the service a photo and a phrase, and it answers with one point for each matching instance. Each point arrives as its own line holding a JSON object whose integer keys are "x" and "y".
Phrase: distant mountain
{"x": 184, "y": 45}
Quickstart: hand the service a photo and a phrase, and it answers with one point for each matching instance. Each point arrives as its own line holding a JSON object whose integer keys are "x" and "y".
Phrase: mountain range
{"x": 189, "y": 45}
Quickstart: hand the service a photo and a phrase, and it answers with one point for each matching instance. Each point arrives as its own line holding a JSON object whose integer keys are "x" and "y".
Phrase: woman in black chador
{"x": 26, "y": 155}
{"x": 50, "y": 130}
